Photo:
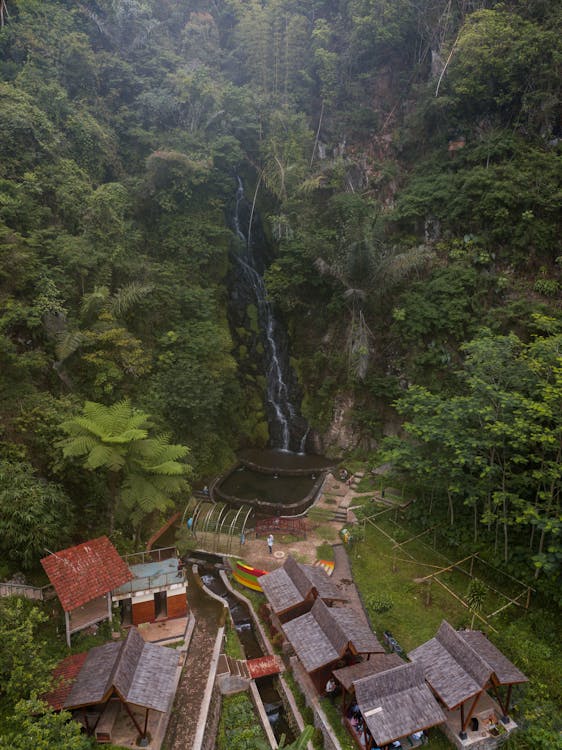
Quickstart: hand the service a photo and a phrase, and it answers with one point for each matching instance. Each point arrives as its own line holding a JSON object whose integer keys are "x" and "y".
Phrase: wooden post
{"x": 507, "y": 700}
{"x": 498, "y": 698}
{"x": 471, "y": 711}
{"x": 145, "y": 723}
{"x": 135, "y": 722}
{"x": 67, "y": 623}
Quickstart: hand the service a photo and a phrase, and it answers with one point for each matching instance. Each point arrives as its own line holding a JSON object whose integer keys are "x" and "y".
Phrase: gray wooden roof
{"x": 323, "y": 635}
{"x": 291, "y": 584}
{"x": 311, "y": 643}
{"x": 454, "y": 667}
{"x": 142, "y": 673}
{"x": 322, "y": 582}
{"x": 94, "y": 679}
{"x": 396, "y": 703}
{"x": 356, "y": 631}
{"x": 505, "y": 671}
{"x": 346, "y": 676}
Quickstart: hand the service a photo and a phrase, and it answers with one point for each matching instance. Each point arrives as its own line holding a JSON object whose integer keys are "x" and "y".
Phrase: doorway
{"x": 126, "y": 611}
{"x": 160, "y": 605}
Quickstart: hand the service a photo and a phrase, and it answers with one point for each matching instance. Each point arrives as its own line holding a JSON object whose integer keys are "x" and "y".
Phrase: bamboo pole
{"x": 453, "y": 565}
{"x": 509, "y": 603}
{"x": 417, "y": 536}
{"x": 394, "y": 541}
{"x": 464, "y": 604}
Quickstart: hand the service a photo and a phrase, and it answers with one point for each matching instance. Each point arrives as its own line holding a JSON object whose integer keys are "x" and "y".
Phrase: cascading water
{"x": 288, "y": 429}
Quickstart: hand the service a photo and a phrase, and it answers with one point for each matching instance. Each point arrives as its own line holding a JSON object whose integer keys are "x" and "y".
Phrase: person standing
{"x": 270, "y": 543}
{"x": 331, "y": 689}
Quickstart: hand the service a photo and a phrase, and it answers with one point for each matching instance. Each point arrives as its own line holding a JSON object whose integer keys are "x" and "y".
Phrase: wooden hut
{"x": 326, "y": 636}
{"x": 130, "y": 674}
{"x": 395, "y": 704}
{"x": 347, "y": 676}
{"x": 292, "y": 589}
{"x": 83, "y": 577}
{"x": 460, "y": 666}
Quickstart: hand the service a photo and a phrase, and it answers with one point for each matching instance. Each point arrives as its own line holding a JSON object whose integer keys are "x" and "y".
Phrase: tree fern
{"x": 143, "y": 471}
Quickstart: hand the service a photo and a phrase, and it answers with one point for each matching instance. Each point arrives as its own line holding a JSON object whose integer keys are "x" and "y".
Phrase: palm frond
{"x": 67, "y": 343}
{"x": 94, "y": 302}
{"x": 77, "y": 446}
{"x": 104, "y": 456}
{"x": 127, "y": 296}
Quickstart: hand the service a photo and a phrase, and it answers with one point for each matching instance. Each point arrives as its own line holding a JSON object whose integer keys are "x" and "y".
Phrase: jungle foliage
{"x": 405, "y": 161}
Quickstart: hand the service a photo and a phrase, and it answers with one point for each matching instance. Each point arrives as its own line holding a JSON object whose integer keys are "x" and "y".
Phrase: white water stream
{"x": 277, "y": 392}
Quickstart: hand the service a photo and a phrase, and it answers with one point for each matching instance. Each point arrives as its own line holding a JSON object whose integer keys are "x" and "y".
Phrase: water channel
{"x": 273, "y": 704}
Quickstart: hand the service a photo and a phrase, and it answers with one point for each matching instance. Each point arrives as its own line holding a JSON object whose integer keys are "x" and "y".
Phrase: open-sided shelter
{"x": 327, "y": 635}
{"x": 130, "y": 673}
{"x": 292, "y": 589}
{"x": 83, "y": 578}
{"x": 394, "y": 704}
{"x": 460, "y": 666}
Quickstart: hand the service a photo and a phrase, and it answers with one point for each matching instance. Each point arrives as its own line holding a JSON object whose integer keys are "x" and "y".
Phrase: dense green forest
{"x": 404, "y": 158}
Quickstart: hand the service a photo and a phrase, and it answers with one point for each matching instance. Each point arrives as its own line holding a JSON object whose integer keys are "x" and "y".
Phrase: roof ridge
{"x": 444, "y": 635}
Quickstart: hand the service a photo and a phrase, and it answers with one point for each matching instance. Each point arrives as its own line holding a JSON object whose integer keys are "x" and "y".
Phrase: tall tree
{"x": 143, "y": 472}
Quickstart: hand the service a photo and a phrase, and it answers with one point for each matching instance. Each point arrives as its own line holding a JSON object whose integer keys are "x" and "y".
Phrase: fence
{"x": 39, "y": 593}
{"x": 296, "y": 526}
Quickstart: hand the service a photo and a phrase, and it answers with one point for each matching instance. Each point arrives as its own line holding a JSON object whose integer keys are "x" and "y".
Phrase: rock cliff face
{"x": 341, "y": 436}
{"x": 258, "y": 333}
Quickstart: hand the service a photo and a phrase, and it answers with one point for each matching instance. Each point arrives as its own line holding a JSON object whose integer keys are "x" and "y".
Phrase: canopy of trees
{"x": 404, "y": 159}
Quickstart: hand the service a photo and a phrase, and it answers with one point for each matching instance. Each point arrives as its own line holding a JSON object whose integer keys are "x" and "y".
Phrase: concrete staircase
{"x": 340, "y": 515}
{"x": 237, "y": 667}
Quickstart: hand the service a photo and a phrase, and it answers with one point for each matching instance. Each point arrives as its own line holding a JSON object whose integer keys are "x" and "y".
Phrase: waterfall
{"x": 281, "y": 410}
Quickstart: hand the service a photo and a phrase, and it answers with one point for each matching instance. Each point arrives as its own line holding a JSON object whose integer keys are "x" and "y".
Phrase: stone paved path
{"x": 189, "y": 696}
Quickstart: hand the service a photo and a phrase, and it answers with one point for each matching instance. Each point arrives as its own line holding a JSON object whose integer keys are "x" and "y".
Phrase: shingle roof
{"x": 142, "y": 673}
{"x": 64, "y": 675}
{"x": 291, "y": 584}
{"x": 454, "y": 667}
{"x": 506, "y": 672}
{"x": 346, "y": 676}
{"x": 85, "y": 572}
{"x": 321, "y": 581}
{"x": 356, "y": 631}
{"x": 93, "y": 684}
{"x": 396, "y": 703}
{"x": 322, "y": 636}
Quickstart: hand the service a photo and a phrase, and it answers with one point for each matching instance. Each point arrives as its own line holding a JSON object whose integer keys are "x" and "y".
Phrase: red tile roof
{"x": 85, "y": 572}
{"x": 64, "y": 675}
{"x": 264, "y": 665}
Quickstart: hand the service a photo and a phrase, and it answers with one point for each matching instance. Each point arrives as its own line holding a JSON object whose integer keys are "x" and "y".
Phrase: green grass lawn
{"x": 383, "y": 571}
{"x": 377, "y": 573}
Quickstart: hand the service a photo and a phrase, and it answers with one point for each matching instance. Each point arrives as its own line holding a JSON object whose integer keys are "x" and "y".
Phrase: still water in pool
{"x": 281, "y": 490}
